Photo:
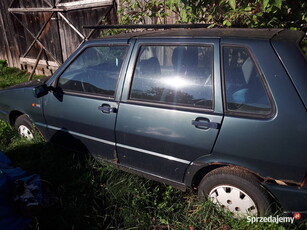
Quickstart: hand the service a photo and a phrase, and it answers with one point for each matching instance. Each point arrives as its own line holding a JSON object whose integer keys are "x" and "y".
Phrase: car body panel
{"x": 77, "y": 119}
{"x": 276, "y": 136}
{"x": 284, "y": 195}
{"x": 20, "y": 100}
{"x": 295, "y": 64}
{"x": 149, "y": 137}
{"x": 153, "y": 143}
{"x": 159, "y": 140}
{"x": 90, "y": 131}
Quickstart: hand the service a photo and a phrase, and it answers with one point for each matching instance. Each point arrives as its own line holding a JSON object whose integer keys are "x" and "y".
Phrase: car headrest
{"x": 248, "y": 69}
{"x": 150, "y": 66}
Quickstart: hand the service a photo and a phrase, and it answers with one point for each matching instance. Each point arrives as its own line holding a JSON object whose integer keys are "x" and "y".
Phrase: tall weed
{"x": 7, "y": 133}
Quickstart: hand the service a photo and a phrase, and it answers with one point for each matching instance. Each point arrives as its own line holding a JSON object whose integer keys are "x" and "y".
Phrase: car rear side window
{"x": 94, "y": 71}
{"x": 175, "y": 75}
{"x": 244, "y": 86}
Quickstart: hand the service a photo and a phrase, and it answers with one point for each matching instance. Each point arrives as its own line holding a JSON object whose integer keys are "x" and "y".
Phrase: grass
{"x": 95, "y": 195}
{"x": 12, "y": 76}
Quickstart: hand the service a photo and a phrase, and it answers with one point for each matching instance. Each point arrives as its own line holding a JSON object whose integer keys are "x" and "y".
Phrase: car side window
{"x": 174, "y": 74}
{"x": 244, "y": 86}
{"x": 94, "y": 71}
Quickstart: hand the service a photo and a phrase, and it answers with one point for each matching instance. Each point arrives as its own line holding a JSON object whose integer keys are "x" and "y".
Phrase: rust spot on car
{"x": 264, "y": 179}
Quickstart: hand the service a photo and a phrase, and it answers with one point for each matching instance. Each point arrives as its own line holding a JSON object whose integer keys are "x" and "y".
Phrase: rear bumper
{"x": 292, "y": 199}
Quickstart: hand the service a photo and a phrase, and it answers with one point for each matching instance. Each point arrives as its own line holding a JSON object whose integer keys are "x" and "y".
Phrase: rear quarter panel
{"x": 273, "y": 147}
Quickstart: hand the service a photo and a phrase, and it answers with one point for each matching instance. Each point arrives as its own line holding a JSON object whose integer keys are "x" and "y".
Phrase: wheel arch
{"x": 194, "y": 180}
{"x": 14, "y": 115}
{"x": 195, "y": 174}
{"x": 198, "y": 176}
{"x": 229, "y": 185}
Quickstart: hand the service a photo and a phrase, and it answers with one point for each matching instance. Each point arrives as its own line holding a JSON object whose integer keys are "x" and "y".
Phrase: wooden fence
{"x": 43, "y": 33}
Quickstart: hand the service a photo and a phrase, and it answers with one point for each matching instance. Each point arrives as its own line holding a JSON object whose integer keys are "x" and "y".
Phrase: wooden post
{"x": 102, "y": 17}
{"x": 38, "y": 35}
{"x": 38, "y": 42}
{"x": 72, "y": 26}
{"x": 48, "y": 3}
{"x": 36, "y": 63}
{"x": 66, "y": 11}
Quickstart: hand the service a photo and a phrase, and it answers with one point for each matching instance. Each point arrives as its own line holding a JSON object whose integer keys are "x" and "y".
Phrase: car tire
{"x": 24, "y": 127}
{"x": 236, "y": 190}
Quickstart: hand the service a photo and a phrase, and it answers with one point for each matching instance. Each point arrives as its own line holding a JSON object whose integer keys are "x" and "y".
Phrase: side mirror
{"x": 40, "y": 90}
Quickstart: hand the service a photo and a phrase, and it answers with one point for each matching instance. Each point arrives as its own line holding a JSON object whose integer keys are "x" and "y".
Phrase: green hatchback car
{"x": 223, "y": 111}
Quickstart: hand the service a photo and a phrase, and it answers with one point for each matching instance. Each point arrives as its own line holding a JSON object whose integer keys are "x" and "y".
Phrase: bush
{"x": 3, "y": 63}
{"x": 7, "y": 133}
{"x": 222, "y": 13}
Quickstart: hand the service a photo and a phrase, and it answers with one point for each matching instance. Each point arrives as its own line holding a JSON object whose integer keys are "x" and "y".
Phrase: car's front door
{"x": 81, "y": 112}
{"x": 171, "y": 109}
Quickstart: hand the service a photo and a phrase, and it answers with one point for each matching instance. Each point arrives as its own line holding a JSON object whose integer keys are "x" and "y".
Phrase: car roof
{"x": 203, "y": 33}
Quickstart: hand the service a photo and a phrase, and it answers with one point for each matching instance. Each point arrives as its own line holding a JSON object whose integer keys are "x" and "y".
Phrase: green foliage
{"x": 223, "y": 13}
{"x": 7, "y": 133}
{"x": 136, "y": 11}
{"x": 11, "y": 76}
{"x": 100, "y": 196}
{"x": 3, "y": 63}
{"x": 304, "y": 45}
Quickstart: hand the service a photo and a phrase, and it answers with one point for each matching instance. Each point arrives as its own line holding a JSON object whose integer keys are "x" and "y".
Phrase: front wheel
{"x": 236, "y": 190}
{"x": 24, "y": 127}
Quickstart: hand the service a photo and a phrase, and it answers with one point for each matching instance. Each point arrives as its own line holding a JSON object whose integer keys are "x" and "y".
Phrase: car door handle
{"x": 204, "y": 123}
{"x": 106, "y": 108}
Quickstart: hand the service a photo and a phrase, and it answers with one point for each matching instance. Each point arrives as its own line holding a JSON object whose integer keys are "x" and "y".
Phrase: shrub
{"x": 7, "y": 133}
{"x": 3, "y": 63}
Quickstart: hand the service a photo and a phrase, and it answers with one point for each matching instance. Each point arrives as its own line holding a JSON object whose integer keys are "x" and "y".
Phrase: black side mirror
{"x": 41, "y": 90}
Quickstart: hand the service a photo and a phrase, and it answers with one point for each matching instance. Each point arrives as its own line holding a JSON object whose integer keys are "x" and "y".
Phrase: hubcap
{"x": 25, "y": 132}
{"x": 234, "y": 199}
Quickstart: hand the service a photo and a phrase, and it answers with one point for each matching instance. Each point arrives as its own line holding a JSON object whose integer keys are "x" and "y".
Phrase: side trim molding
{"x": 171, "y": 158}
{"x": 76, "y": 134}
{"x": 3, "y": 112}
{"x": 154, "y": 154}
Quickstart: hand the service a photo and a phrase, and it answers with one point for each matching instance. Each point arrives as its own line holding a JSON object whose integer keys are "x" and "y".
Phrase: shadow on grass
{"x": 72, "y": 178}
{"x": 99, "y": 196}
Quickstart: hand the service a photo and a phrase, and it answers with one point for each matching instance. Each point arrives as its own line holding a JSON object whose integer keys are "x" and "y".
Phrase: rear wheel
{"x": 24, "y": 127}
{"x": 236, "y": 190}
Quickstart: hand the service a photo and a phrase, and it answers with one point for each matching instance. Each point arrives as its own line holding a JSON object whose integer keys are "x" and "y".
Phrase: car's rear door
{"x": 171, "y": 109}
{"x": 81, "y": 112}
